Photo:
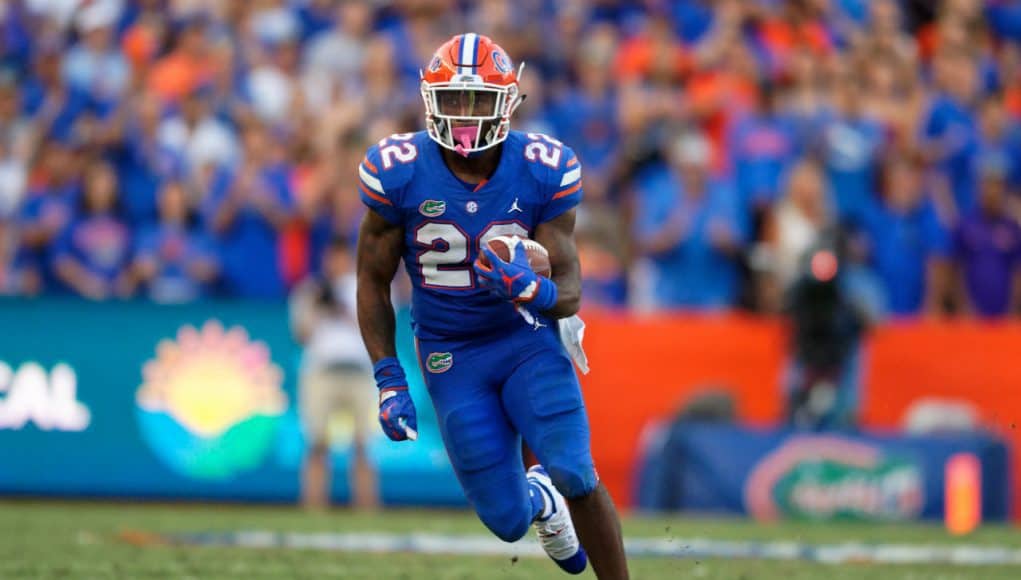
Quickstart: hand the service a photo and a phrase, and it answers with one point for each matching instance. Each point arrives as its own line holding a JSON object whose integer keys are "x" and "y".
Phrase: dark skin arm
{"x": 557, "y": 236}
{"x": 379, "y": 253}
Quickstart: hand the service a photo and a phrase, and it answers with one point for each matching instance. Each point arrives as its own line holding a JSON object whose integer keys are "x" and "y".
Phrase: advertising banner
{"x": 191, "y": 401}
{"x": 773, "y": 474}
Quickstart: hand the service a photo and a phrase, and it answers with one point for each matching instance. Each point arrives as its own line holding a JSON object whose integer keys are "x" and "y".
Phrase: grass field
{"x": 87, "y": 540}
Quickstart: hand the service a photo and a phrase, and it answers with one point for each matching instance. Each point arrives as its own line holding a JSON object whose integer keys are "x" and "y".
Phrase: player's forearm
{"x": 379, "y": 253}
{"x": 376, "y": 320}
{"x": 557, "y": 236}
{"x": 568, "y": 296}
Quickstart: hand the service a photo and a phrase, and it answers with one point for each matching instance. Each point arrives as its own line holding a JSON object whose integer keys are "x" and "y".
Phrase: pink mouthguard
{"x": 464, "y": 137}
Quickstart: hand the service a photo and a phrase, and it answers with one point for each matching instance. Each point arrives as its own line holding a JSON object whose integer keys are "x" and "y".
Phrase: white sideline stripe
{"x": 372, "y": 182}
{"x": 428, "y": 543}
{"x": 571, "y": 176}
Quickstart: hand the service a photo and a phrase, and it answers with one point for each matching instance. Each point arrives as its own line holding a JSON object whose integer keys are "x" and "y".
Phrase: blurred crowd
{"x": 177, "y": 149}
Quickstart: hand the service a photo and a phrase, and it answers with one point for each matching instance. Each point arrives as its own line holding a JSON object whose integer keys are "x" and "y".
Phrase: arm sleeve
{"x": 376, "y": 187}
{"x": 563, "y": 186}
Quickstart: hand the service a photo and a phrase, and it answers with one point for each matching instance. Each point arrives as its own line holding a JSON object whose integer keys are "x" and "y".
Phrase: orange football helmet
{"x": 470, "y": 89}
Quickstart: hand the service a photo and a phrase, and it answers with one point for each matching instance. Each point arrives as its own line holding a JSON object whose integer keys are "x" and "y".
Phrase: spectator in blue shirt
{"x": 92, "y": 256}
{"x": 15, "y": 37}
{"x": 987, "y": 247}
{"x": 603, "y": 278}
{"x": 950, "y": 128}
{"x": 999, "y": 142}
{"x": 763, "y": 146}
{"x": 317, "y": 16}
{"x": 908, "y": 244}
{"x": 53, "y": 106}
{"x": 142, "y": 163}
{"x": 586, "y": 117}
{"x": 1004, "y": 16}
{"x": 49, "y": 206}
{"x": 333, "y": 210}
{"x": 850, "y": 149}
{"x": 692, "y": 19}
{"x": 693, "y": 229}
{"x": 173, "y": 258}
{"x": 245, "y": 212}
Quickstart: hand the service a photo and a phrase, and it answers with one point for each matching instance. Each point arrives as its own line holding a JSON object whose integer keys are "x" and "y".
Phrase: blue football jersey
{"x": 404, "y": 179}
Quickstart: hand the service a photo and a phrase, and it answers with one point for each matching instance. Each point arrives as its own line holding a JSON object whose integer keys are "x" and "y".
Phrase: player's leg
{"x": 543, "y": 399}
{"x": 484, "y": 449}
{"x": 315, "y": 404}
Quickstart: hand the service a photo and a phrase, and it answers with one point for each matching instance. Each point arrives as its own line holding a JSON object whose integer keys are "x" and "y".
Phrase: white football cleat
{"x": 554, "y": 525}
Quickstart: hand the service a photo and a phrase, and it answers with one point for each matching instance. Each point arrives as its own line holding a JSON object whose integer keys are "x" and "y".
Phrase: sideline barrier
{"x": 76, "y": 420}
{"x": 645, "y": 367}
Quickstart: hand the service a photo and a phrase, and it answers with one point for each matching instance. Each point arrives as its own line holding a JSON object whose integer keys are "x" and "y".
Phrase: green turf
{"x": 80, "y": 540}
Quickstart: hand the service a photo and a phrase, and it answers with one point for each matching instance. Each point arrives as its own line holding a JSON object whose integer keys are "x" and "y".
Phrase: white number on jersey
{"x": 432, "y": 235}
{"x": 402, "y": 151}
{"x": 436, "y": 235}
{"x": 545, "y": 149}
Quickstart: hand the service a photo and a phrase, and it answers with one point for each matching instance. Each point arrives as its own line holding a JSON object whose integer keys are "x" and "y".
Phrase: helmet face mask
{"x": 468, "y": 106}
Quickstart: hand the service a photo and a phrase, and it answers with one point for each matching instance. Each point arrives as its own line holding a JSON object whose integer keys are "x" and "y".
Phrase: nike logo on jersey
{"x": 514, "y": 206}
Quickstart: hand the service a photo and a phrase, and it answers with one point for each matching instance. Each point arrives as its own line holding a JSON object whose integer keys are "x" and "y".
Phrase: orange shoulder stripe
{"x": 368, "y": 164}
{"x": 374, "y": 195}
{"x": 568, "y": 191}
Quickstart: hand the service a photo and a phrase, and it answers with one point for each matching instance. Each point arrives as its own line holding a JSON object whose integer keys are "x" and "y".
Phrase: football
{"x": 538, "y": 257}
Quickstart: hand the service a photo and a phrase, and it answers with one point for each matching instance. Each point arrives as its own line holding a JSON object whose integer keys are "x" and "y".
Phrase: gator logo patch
{"x": 439, "y": 362}
{"x": 502, "y": 62}
{"x": 432, "y": 208}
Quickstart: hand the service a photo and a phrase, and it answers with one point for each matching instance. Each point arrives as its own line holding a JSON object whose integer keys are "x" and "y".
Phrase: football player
{"x": 488, "y": 339}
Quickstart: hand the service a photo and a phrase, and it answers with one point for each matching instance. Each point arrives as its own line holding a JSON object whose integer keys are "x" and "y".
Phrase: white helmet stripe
{"x": 469, "y": 48}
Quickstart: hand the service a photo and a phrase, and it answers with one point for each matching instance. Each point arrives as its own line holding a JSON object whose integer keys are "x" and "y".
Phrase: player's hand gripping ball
{"x": 518, "y": 270}
{"x": 505, "y": 246}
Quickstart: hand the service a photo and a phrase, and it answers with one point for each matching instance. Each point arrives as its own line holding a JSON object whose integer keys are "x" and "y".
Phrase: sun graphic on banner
{"x": 210, "y": 380}
{"x": 210, "y": 399}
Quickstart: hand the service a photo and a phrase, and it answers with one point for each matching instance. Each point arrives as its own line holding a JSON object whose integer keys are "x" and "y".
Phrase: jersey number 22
{"x": 444, "y": 260}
